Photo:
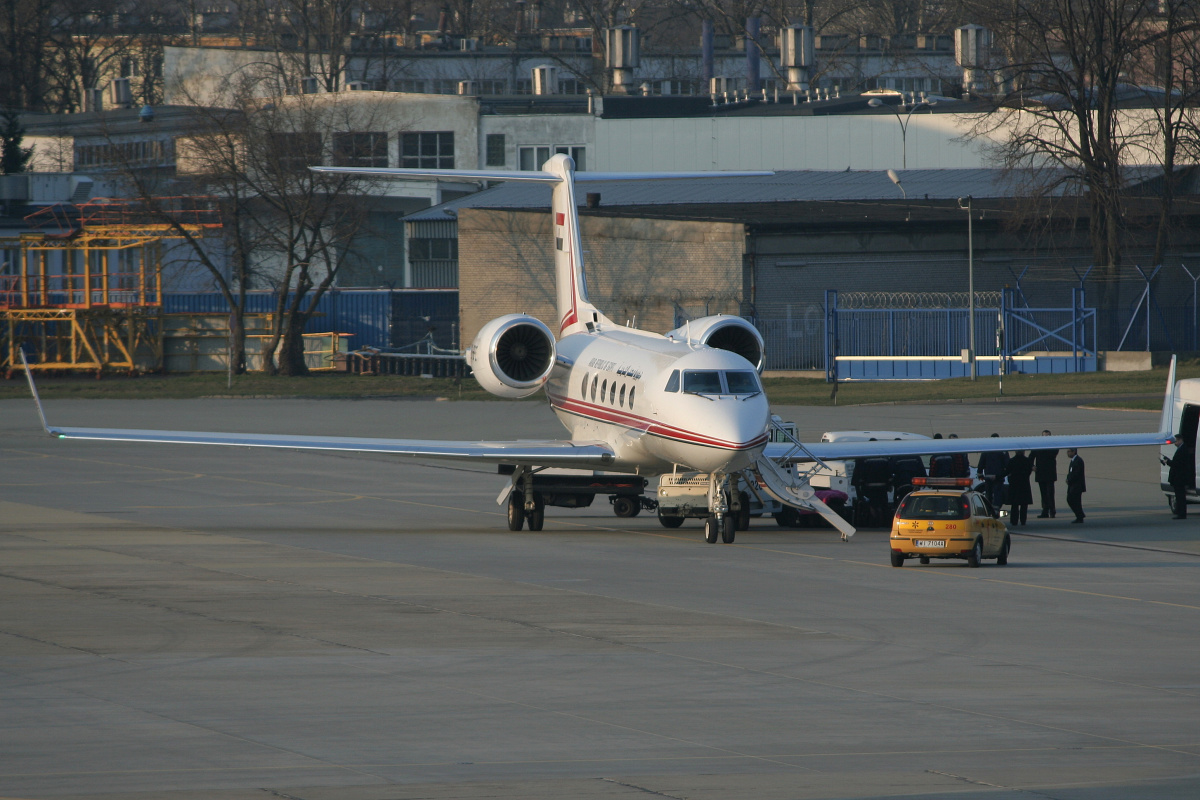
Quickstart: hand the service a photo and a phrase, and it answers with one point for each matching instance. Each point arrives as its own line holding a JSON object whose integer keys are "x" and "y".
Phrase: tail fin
{"x": 575, "y": 312}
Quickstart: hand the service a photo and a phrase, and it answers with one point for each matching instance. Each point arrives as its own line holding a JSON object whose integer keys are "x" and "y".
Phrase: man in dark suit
{"x": 1045, "y": 472}
{"x": 1076, "y": 484}
{"x": 1182, "y": 473}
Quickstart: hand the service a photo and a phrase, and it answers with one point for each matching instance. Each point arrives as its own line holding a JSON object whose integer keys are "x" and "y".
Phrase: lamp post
{"x": 965, "y": 205}
{"x": 875, "y": 102}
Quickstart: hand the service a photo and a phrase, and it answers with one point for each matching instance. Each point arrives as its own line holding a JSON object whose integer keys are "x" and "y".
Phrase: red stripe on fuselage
{"x": 613, "y": 416}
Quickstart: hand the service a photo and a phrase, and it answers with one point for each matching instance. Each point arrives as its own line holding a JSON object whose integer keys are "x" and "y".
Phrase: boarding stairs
{"x": 794, "y": 489}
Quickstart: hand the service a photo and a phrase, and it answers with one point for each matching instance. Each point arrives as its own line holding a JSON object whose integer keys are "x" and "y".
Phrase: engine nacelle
{"x": 512, "y": 355}
{"x": 726, "y": 332}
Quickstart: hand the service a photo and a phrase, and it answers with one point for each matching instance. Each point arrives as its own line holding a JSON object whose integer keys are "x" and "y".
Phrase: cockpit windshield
{"x": 711, "y": 381}
{"x": 702, "y": 381}
{"x": 744, "y": 382}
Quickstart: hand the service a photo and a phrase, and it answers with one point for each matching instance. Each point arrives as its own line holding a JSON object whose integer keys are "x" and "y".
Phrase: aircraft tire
{"x": 537, "y": 517}
{"x": 516, "y": 510}
{"x": 729, "y": 528}
{"x": 743, "y": 516}
{"x": 711, "y": 530}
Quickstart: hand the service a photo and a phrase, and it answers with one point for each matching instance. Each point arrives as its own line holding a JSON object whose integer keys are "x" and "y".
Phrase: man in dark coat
{"x": 1019, "y": 494}
{"x": 1045, "y": 472}
{"x": 1076, "y": 484}
{"x": 960, "y": 464}
{"x": 1182, "y": 474}
{"x": 991, "y": 470}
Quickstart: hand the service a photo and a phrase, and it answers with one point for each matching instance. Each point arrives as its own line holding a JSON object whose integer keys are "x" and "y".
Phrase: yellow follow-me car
{"x": 943, "y": 518}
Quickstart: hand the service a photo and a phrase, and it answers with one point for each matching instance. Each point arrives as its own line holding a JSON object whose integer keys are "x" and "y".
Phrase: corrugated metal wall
{"x": 375, "y": 317}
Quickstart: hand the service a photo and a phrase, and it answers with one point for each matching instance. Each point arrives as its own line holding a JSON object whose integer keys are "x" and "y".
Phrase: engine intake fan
{"x": 512, "y": 355}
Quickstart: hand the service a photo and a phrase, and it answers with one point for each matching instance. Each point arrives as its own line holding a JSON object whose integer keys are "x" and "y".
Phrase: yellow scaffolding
{"x": 87, "y": 293}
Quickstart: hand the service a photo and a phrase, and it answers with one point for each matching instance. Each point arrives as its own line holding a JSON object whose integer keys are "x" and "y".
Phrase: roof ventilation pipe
{"x": 467, "y": 88}
{"x": 753, "y": 79}
{"x": 796, "y": 56}
{"x": 706, "y": 50}
{"x": 972, "y": 45}
{"x": 623, "y": 45}
{"x": 545, "y": 79}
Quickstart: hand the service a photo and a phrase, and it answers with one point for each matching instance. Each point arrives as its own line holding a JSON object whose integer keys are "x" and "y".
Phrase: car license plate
{"x": 930, "y": 542}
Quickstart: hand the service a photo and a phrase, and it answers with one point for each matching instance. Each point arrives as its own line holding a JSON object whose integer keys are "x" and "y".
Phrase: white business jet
{"x": 633, "y": 401}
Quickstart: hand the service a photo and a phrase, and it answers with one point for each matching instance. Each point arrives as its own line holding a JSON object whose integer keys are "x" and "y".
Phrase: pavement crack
{"x": 644, "y": 789}
{"x": 975, "y": 782}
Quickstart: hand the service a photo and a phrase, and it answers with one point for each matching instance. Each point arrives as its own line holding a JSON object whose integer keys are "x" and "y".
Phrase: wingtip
{"x": 33, "y": 390}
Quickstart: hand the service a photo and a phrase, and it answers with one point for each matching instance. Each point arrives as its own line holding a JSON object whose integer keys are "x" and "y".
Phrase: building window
{"x": 411, "y": 86}
{"x": 492, "y": 87}
{"x": 360, "y": 150}
{"x": 445, "y": 86}
{"x": 431, "y": 150}
{"x": 432, "y": 249}
{"x": 532, "y": 157}
{"x": 299, "y": 151}
{"x": 495, "y": 150}
{"x": 524, "y": 86}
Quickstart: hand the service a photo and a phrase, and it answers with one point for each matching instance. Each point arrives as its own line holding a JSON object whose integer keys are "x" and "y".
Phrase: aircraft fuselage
{"x": 616, "y": 386}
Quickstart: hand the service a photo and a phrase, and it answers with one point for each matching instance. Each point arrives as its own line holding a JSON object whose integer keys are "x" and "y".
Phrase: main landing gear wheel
{"x": 626, "y": 506}
{"x": 711, "y": 530}
{"x": 537, "y": 517}
{"x": 728, "y": 528}
{"x": 670, "y": 522}
{"x": 743, "y": 516}
{"x": 516, "y": 510}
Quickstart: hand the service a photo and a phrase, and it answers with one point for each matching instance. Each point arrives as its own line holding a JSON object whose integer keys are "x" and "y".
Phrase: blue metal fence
{"x": 375, "y": 317}
{"x": 923, "y": 343}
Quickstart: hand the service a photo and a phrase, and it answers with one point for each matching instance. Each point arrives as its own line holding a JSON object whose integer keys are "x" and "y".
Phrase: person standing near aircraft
{"x": 1020, "y": 495}
{"x": 960, "y": 464}
{"x": 991, "y": 468}
{"x": 1045, "y": 472}
{"x": 1182, "y": 473}
{"x": 1076, "y": 484}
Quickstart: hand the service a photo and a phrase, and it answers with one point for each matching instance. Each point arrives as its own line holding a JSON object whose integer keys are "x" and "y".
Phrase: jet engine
{"x": 726, "y": 332}
{"x": 512, "y": 355}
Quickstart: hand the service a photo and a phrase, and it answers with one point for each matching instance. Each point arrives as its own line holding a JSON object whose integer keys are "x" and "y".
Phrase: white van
{"x": 1185, "y": 414}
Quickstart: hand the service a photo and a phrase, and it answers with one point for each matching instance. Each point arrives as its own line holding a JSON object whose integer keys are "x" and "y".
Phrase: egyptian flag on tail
{"x": 560, "y": 231}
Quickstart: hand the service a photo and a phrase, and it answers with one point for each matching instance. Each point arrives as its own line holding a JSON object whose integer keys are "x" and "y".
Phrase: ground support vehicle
{"x": 944, "y": 518}
{"x": 575, "y": 489}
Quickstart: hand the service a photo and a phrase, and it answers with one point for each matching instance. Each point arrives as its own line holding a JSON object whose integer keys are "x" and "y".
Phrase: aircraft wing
{"x": 925, "y": 447}
{"x": 542, "y": 453}
{"x": 532, "y": 452}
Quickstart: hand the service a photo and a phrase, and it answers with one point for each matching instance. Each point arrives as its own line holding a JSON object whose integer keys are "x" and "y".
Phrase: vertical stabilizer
{"x": 575, "y": 313}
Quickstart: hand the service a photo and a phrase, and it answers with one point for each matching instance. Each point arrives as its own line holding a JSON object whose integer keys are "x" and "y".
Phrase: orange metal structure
{"x": 84, "y": 292}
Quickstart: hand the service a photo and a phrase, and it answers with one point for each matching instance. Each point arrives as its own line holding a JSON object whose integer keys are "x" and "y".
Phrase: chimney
{"x": 519, "y": 23}
{"x": 444, "y": 20}
{"x": 623, "y": 45}
{"x": 535, "y": 24}
{"x": 753, "y": 81}
{"x": 971, "y": 51}
{"x": 706, "y": 50}
{"x": 796, "y": 56}
{"x": 545, "y": 79}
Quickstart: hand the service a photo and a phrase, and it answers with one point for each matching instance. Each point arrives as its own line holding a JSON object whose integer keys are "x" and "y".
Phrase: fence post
{"x": 831, "y": 336}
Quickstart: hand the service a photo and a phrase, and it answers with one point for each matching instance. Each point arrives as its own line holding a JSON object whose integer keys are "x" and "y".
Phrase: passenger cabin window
{"x": 632, "y": 389}
{"x": 622, "y": 396}
{"x": 673, "y": 382}
{"x": 612, "y": 394}
{"x": 702, "y": 381}
{"x": 585, "y": 385}
{"x": 742, "y": 382}
{"x": 603, "y": 390}
{"x": 595, "y": 380}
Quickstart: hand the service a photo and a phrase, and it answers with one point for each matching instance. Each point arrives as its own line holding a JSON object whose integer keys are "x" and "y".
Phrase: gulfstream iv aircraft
{"x": 633, "y": 401}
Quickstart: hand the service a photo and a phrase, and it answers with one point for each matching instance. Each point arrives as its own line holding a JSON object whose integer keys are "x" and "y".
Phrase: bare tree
{"x": 1064, "y": 121}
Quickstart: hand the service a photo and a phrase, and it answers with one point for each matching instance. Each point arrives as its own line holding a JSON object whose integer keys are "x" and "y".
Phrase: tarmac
{"x": 192, "y": 622}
